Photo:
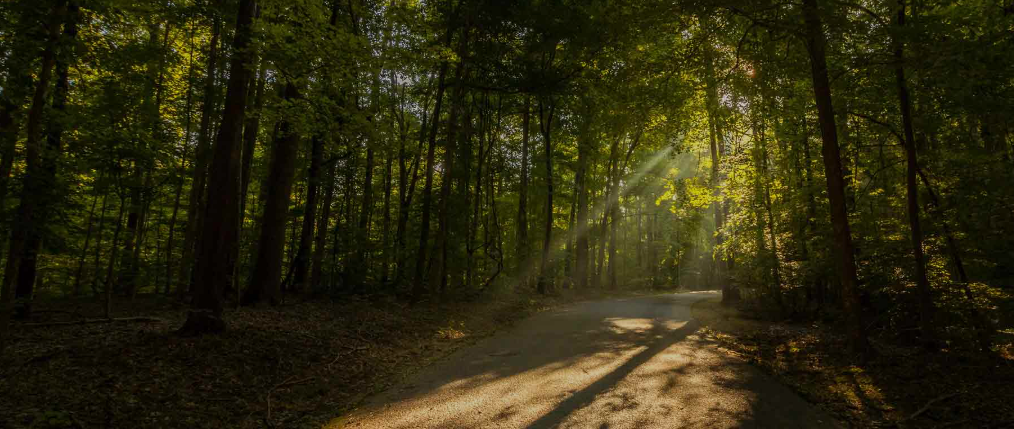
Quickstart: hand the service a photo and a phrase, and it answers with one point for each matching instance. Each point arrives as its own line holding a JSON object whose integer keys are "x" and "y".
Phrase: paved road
{"x": 627, "y": 363}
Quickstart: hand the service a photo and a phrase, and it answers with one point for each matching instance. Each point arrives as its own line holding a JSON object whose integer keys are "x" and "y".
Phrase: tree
{"x": 815, "y": 44}
{"x": 219, "y": 232}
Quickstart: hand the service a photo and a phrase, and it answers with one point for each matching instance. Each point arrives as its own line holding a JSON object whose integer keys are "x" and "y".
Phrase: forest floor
{"x": 902, "y": 387}
{"x": 295, "y": 365}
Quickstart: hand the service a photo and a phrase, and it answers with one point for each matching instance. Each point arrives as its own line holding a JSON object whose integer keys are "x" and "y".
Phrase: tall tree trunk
{"x": 301, "y": 270}
{"x": 385, "y": 244}
{"x": 219, "y": 232}
{"x": 716, "y": 139}
{"x": 39, "y": 181}
{"x": 601, "y": 236}
{"x": 182, "y": 170}
{"x": 127, "y": 281}
{"x": 522, "y": 242}
{"x": 76, "y": 290}
{"x": 97, "y": 271}
{"x": 251, "y": 130}
{"x": 14, "y": 92}
{"x": 581, "y": 242}
{"x": 419, "y": 285}
{"x": 405, "y": 190}
{"x": 113, "y": 247}
{"x": 614, "y": 215}
{"x": 320, "y": 242}
{"x": 545, "y": 125}
{"x": 360, "y": 269}
{"x": 202, "y": 155}
{"x": 473, "y": 226}
{"x": 835, "y": 178}
{"x": 265, "y": 281}
{"x": 912, "y": 184}
{"x": 440, "y": 269}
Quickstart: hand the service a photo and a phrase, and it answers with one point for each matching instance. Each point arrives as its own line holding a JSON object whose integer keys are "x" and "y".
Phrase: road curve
{"x": 625, "y": 363}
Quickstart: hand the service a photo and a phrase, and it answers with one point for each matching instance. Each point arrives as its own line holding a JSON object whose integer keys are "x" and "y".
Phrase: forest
{"x": 847, "y": 163}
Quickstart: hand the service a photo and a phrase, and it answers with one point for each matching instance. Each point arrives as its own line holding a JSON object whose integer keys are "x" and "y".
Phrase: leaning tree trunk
{"x": 219, "y": 232}
{"x": 835, "y": 178}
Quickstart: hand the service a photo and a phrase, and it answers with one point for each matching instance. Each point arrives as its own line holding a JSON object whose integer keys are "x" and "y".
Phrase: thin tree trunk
{"x": 912, "y": 186}
{"x": 545, "y": 125}
{"x": 440, "y": 269}
{"x": 202, "y": 155}
{"x": 98, "y": 246}
{"x": 108, "y": 290}
{"x": 301, "y": 270}
{"x": 360, "y": 269}
{"x": 322, "y": 228}
{"x": 183, "y": 169}
{"x": 716, "y": 139}
{"x": 419, "y": 285}
{"x": 581, "y": 243}
{"x": 522, "y": 251}
{"x": 385, "y": 248}
{"x": 84, "y": 249}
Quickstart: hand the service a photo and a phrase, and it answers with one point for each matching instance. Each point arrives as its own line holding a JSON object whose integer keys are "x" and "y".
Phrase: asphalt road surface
{"x": 625, "y": 363}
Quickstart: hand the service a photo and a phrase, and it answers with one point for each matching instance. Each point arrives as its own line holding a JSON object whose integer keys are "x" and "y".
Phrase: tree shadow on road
{"x": 634, "y": 363}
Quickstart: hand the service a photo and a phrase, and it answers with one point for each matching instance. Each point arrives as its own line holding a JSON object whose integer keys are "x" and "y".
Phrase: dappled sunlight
{"x": 532, "y": 393}
{"x": 632, "y": 364}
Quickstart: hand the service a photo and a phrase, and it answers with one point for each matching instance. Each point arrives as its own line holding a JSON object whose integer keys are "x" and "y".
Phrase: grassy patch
{"x": 900, "y": 387}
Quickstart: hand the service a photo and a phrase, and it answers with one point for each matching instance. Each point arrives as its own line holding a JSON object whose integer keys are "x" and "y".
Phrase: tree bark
{"x": 301, "y": 270}
{"x": 835, "y": 178}
{"x": 40, "y": 175}
{"x": 219, "y": 233}
{"x": 265, "y": 280}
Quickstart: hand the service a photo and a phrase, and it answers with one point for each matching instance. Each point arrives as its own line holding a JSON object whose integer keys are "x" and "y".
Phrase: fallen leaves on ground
{"x": 900, "y": 386}
{"x": 296, "y": 365}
